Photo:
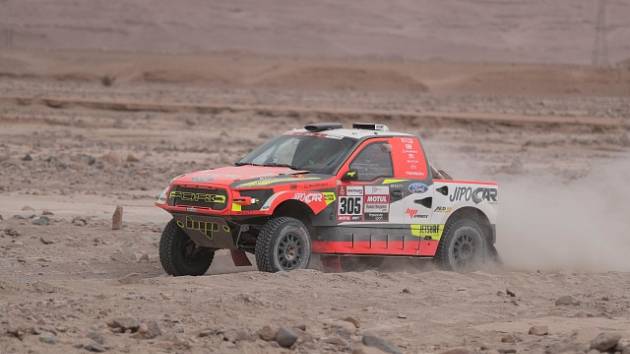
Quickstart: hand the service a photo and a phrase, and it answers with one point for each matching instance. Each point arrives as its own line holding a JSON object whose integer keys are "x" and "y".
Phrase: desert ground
{"x": 102, "y": 111}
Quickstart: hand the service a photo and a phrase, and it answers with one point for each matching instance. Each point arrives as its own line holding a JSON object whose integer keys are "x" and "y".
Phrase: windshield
{"x": 318, "y": 154}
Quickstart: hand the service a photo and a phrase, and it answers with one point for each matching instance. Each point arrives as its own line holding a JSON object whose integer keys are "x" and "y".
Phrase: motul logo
{"x": 376, "y": 199}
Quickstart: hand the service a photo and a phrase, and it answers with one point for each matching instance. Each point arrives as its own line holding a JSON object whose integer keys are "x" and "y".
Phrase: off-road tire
{"x": 275, "y": 245}
{"x": 174, "y": 246}
{"x": 463, "y": 246}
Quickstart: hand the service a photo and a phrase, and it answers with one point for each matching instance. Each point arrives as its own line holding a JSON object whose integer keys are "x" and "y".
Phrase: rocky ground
{"x": 73, "y": 149}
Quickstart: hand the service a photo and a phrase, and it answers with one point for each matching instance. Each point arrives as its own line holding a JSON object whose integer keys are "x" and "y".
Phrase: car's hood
{"x": 240, "y": 176}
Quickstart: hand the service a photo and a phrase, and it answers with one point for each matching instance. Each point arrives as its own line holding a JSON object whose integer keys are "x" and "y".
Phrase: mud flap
{"x": 240, "y": 258}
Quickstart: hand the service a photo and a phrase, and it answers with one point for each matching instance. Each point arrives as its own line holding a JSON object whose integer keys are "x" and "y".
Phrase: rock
{"x": 45, "y": 240}
{"x": 406, "y": 291}
{"x": 11, "y": 232}
{"x": 124, "y": 324}
{"x": 96, "y": 337}
{"x": 567, "y": 300}
{"x": 336, "y": 341}
{"x": 285, "y": 337}
{"x": 401, "y": 316}
{"x": 510, "y": 338}
{"x": 605, "y": 341}
{"x": 79, "y": 221}
{"x": 42, "y": 220}
{"x": 94, "y": 347}
{"x": 27, "y": 157}
{"x": 267, "y": 333}
{"x": 47, "y": 212}
{"x": 48, "y": 338}
{"x": 144, "y": 258}
{"x": 458, "y": 351}
{"x": 510, "y": 293}
{"x": 132, "y": 158}
{"x": 112, "y": 158}
{"x": 236, "y": 335}
{"x": 352, "y": 320}
{"x": 379, "y": 343}
{"x": 539, "y": 330}
{"x": 1, "y": 218}
{"x": 623, "y": 345}
{"x": 506, "y": 350}
{"x": 148, "y": 330}
{"x": 117, "y": 218}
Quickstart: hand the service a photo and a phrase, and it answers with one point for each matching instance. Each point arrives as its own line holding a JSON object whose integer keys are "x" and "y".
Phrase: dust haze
{"x": 582, "y": 224}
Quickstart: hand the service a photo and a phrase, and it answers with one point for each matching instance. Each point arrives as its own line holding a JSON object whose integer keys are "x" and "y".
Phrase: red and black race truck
{"x": 349, "y": 195}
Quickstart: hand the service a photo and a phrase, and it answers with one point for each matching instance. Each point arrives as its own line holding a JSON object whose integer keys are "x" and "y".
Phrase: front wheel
{"x": 283, "y": 243}
{"x": 462, "y": 247}
{"x": 179, "y": 255}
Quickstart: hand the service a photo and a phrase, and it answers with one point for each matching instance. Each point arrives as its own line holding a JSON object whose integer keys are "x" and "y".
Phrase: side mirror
{"x": 350, "y": 175}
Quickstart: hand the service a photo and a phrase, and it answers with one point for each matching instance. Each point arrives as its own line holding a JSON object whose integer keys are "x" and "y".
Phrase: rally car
{"x": 353, "y": 196}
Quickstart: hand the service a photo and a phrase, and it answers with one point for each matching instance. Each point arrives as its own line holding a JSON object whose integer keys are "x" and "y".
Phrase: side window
{"x": 374, "y": 161}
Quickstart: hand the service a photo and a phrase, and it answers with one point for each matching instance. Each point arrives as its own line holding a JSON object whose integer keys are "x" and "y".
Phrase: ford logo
{"x": 418, "y": 188}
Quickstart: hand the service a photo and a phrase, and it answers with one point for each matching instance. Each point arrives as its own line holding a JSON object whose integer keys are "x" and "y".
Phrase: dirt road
{"x": 71, "y": 149}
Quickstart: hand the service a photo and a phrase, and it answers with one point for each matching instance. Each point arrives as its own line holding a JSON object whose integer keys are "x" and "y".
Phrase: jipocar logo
{"x": 476, "y": 195}
{"x": 418, "y": 188}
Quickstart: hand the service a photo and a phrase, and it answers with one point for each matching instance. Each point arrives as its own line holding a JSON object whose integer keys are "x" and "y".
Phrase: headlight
{"x": 162, "y": 196}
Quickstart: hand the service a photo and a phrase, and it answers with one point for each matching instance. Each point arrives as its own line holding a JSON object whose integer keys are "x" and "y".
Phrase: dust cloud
{"x": 580, "y": 225}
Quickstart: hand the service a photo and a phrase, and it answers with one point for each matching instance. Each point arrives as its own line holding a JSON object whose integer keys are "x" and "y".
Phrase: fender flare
{"x": 316, "y": 201}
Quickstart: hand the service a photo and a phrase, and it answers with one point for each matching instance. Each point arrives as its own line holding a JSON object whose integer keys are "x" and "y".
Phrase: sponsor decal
{"x": 350, "y": 205}
{"x": 427, "y": 231}
{"x": 376, "y": 189}
{"x": 207, "y": 228}
{"x": 197, "y": 197}
{"x": 329, "y": 197}
{"x": 376, "y": 216}
{"x": 443, "y": 209}
{"x": 418, "y": 188}
{"x": 309, "y": 197}
{"x": 413, "y": 213}
{"x": 477, "y": 195}
{"x": 376, "y": 208}
{"x": 354, "y": 190}
{"x": 377, "y": 199}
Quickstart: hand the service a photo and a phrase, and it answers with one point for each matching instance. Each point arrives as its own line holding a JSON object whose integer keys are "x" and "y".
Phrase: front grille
{"x": 211, "y": 198}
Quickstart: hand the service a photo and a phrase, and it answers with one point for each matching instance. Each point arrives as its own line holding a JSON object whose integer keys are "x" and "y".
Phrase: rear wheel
{"x": 283, "y": 243}
{"x": 179, "y": 255}
{"x": 462, "y": 247}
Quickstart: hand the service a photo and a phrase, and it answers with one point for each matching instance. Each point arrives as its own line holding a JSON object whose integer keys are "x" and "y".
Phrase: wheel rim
{"x": 290, "y": 251}
{"x": 465, "y": 249}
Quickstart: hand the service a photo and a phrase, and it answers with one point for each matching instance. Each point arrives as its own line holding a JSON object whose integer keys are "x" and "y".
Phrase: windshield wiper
{"x": 247, "y": 163}
{"x": 273, "y": 164}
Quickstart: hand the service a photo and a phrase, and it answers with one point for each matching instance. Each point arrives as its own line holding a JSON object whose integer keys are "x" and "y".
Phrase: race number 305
{"x": 350, "y": 205}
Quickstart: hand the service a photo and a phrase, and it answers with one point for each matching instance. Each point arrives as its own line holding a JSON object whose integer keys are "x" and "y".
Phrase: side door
{"x": 362, "y": 196}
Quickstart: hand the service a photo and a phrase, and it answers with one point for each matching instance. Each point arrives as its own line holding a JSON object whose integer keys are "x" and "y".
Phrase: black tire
{"x": 360, "y": 263}
{"x": 179, "y": 255}
{"x": 283, "y": 243}
{"x": 463, "y": 246}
